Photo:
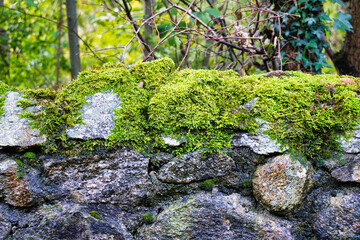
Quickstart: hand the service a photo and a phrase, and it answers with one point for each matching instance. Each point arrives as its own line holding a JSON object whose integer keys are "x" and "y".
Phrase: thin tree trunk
{"x": 60, "y": 23}
{"x": 4, "y": 53}
{"x": 348, "y": 60}
{"x": 73, "y": 39}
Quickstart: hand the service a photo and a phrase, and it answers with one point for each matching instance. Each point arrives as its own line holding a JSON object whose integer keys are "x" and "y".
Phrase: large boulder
{"x": 195, "y": 167}
{"x": 120, "y": 177}
{"x": 214, "y": 216}
{"x": 281, "y": 184}
{"x": 15, "y": 130}
{"x": 337, "y": 214}
{"x": 97, "y": 115}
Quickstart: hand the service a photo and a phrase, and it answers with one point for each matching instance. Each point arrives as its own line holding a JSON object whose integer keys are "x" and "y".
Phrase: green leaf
{"x": 342, "y": 23}
{"x": 202, "y": 17}
{"x": 213, "y": 12}
{"x": 173, "y": 11}
{"x": 30, "y": 3}
{"x": 339, "y": 2}
{"x": 164, "y": 29}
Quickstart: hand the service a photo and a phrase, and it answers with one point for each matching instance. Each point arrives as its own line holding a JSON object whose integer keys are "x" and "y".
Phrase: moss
{"x": 3, "y": 90}
{"x": 148, "y": 218}
{"x": 153, "y": 74}
{"x": 306, "y": 113}
{"x": 208, "y": 184}
{"x": 29, "y": 155}
{"x": 246, "y": 183}
{"x": 95, "y": 214}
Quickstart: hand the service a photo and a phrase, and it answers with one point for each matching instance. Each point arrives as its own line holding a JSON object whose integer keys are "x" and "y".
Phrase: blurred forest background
{"x": 46, "y": 43}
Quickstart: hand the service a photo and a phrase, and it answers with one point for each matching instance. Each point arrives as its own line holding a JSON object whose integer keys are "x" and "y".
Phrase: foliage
{"x": 208, "y": 184}
{"x": 29, "y": 155}
{"x": 95, "y": 214}
{"x": 148, "y": 218}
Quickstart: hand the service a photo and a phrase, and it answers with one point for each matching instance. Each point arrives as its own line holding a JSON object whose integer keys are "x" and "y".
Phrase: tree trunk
{"x": 348, "y": 60}
{"x": 73, "y": 38}
{"x": 4, "y": 56}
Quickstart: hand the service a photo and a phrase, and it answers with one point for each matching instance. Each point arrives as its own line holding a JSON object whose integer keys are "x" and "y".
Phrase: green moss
{"x": 29, "y": 155}
{"x": 208, "y": 184}
{"x": 148, "y": 218}
{"x": 95, "y": 214}
{"x": 3, "y": 90}
{"x": 153, "y": 74}
{"x": 306, "y": 113}
{"x": 246, "y": 183}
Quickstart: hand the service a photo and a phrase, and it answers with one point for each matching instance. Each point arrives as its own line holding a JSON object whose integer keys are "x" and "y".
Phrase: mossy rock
{"x": 4, "y": 88}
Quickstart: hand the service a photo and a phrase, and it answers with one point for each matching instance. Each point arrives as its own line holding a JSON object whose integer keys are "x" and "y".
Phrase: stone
{"x": 337, "y": 214}
{"x": 348, "y": 173}
{"x": 281, "y": 184}
{"x": 214, "y": 216}
{"x": 14, "y": 130}
{"x": 168, "y": 140}
{"x": 195, "y": 167}
{"x": 70, "y": 221}
{"x": 353, "y": 144}
{"x": 20, "y": 186}
{"x": 260, "y": 143}
{"x": 97, "y": 115}
{"x": 117, "y": 178}
{"x": 250, "y": 105}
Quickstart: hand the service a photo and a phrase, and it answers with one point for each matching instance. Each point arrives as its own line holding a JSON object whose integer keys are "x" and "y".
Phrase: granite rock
{"x": 281, "y": 184}
{"x": 97, "y": 115}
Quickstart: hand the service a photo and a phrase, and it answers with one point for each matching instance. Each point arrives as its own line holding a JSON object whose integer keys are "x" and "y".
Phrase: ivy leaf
{"x": 342, "y": 23}
{"x": 213, "y": 12}
{"x": 339, "y": 2}
{"x": 164, "y": 29}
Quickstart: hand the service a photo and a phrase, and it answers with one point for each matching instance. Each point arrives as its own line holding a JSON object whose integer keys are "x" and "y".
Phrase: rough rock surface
{"x": 348, "y": 173}
{"x": 281, "y": 184}
{"x": 195, "y": 167}
{"x": 214, "y": 216}
{"x": 353, "y": 144}
{"x": 98, "y": 117}
{"x": 117, "y": 178}
{"x": 16, "y": 131}
{"x": 20, "y": 187}
{"x": 168, "y": 140}
{"x": 337, "y": 214}
{"x": 69, "y": 221}
{"x": 260, "y": 143}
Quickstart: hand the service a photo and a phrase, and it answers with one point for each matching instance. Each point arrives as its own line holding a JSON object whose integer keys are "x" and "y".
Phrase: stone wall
{"x": 252, "y": 189}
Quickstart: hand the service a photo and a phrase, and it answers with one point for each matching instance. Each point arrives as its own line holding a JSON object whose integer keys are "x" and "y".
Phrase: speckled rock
{"x": 353, "y": 144}
{"x": 69, "y": 221}
{"x": 195, "y": 167}
{"x": 20, "y": 187}
{"x": 168, "y": 140}
{"x": 97, "y": 115}
{"x": 337, "y": 214}
{"x": 120, "y": 177}
{"x": 260, "y": 143}
{"x": 14, "y": 130}
{"x": 214, "y": 216}
{"x": 281, "y": 184}
{"x": 348, "y": 173}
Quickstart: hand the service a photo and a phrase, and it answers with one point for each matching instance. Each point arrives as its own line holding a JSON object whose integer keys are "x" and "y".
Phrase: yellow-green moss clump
{"x": 3, "y": 90}
{"x": 205, "y": 107}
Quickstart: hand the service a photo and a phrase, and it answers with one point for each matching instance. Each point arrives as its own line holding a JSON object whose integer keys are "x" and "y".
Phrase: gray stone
{"x": 281, "y": 184}
{"x": 337, "y": 214}
{"x": 168, "y": 140}
{"x": 348, "y": 173}
{"x": 195, "y": 167}
{"x": 98, "y": 117}
{"x": 70, "y": 221}
{"x": 214, "y": 216}
{"x": 20, "y": 186}
{"x": 353, "y": 144}
{"x": 260, "y": 143}
{"x": 120, "y": 177}
{"x": 16, "y": 131}
{"x": 250, "y": 105}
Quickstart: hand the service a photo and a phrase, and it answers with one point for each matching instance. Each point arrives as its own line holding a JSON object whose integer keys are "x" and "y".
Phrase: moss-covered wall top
{"x": 202, "y": 108}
